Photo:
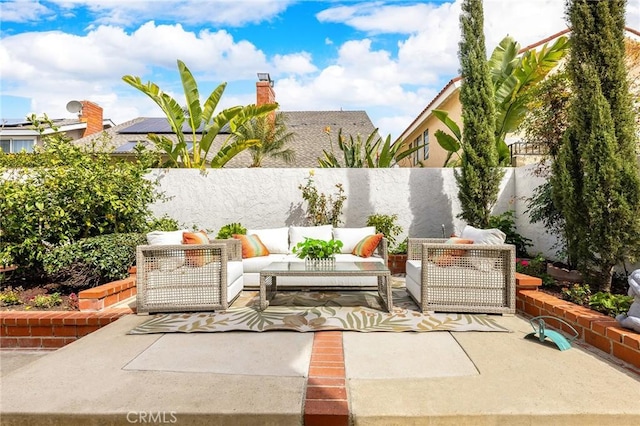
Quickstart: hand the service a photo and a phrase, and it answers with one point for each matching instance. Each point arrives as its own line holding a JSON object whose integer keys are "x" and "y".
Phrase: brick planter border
{"x": 598, "y": 330}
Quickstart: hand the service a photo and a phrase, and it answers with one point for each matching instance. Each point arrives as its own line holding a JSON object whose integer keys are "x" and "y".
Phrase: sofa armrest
{"x": 234, "y": 247}
{"x": 383, "y": 250}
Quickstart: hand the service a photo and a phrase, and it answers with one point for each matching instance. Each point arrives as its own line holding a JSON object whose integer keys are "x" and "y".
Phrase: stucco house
{"x": 422, "y": 128}
{"x": 18, "y": 134}
{"x": 309, "y": 128}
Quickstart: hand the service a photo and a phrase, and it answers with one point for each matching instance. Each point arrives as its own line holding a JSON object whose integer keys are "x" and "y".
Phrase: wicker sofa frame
{"x": 166, "y": 282}
{"x": 480, "y": 279}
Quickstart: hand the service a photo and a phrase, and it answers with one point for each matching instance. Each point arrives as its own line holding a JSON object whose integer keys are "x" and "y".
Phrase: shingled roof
{"x": 308, "y": 126}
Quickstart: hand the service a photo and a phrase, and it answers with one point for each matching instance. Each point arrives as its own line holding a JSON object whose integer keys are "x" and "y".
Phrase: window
{"x": 425, "y": 137}
{"x": 416, "y": 153}
{"x": 17, "y": 145}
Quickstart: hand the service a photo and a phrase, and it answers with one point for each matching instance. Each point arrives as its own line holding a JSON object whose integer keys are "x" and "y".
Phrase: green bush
{"x": 506, "y": 222}
{"x": 68, "y": 193}
{"x": 386, "y": 224}
{"x": 93, "y": 261}
{"x": 610, "y": 304}
{"x": 228, "y": 230}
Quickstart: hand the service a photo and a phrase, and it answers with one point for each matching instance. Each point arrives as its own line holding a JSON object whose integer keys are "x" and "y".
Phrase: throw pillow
{"x": 276, "y": 240}
{"x": 367, "y": 245}
{"x": 195, "y": 257}
{"x": 297, "y": 234}
{"x": 251, "y": 246}
{"x": 165, "y": 237}
{"x": 448, "y": 257}
{"x": 352, "y": 236}
{"x": 492, "y": 236}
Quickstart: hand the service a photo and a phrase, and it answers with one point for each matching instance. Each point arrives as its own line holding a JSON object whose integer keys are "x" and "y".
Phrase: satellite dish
{"x": 74, "y": 106}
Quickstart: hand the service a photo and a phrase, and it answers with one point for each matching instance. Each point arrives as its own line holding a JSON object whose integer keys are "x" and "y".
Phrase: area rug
{"x": 318, "y": 311}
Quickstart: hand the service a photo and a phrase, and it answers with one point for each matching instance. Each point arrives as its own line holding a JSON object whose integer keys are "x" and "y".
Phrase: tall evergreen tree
{"x": 479, "y": 176}
{"x": 595, "y": 181}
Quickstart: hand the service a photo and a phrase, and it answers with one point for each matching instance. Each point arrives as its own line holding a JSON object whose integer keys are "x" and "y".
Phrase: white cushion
{"x": 350, "y": 237}
{"x": 165, "y": 237}
{"x": 297, "y": 234}
{"x": 276, "y": 240}
{"x": 492, "y": 236}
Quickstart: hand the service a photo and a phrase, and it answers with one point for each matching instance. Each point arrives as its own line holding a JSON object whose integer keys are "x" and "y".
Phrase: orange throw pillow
{"x": 448, "y": 257}
{"x": 194, "y": 257}
{"x": 251, "y": 246}
{"x": 367, "y": 245}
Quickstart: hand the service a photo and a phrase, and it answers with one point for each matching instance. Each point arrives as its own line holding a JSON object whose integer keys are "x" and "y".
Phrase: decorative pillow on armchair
{"x": 251, "y": 246}
{"x": 194, "y": 257}
{"x": 492, "y": 236}
{"x": 367, "y": 245}
{"x": 448, "y": 257}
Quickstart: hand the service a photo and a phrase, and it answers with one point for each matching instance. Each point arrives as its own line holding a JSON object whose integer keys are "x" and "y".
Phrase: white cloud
{"x": 24, "y": 11}
{"x": 299, "y": 63}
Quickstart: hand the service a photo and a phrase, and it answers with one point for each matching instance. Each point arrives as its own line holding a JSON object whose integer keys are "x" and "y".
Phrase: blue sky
{"x": 388, "y": 58}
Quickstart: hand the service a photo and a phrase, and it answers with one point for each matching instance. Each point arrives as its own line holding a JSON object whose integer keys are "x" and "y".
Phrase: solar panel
{"x": 12, "y": 122}
{"x": 160, "y": 125}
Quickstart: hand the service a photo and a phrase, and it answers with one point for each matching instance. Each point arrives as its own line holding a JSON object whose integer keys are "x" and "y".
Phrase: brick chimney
{"x": 264, "y": 89}
{"x": 92, "y": 115}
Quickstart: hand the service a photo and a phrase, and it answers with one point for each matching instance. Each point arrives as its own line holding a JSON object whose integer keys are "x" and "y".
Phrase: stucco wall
{"x": 423, "y": 198}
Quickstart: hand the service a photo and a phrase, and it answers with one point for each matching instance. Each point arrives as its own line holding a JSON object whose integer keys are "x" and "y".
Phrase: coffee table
{"x": 270, "y": 274}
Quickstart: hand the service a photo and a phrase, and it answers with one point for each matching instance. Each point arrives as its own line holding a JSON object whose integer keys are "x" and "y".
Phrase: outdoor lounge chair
{"x": 477, "y": 278}
{"x": 183, "y": 278}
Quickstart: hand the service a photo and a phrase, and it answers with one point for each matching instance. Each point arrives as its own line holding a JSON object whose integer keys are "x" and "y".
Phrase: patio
{"x": 109, "y": 377}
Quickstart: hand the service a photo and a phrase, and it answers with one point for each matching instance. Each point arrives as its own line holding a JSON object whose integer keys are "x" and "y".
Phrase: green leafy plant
{"x": 71, "y": 193}
{"x": 386, "y": 224}
{"x": 10, "y": 296}
{"x": 194, "y": 150}
{"x": 164, "y": 223}
{"x": 506, "y": 222}
{"x": 90, "y": 262}
{"x": 400, "y": 248}
{"x": 322, "y": 209}
{"x": 610, "y": 304}
{"x": 535, "y": 267}
{"x": 372, "y": 153}
{"x": 46, "y": 300}
{"x": 317, "y": 249}
{"x": 229, "y": 229}
{"x": 577, "y": 293}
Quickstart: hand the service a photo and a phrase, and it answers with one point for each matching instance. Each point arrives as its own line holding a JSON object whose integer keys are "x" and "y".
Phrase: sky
{"x": 388, "y": 58}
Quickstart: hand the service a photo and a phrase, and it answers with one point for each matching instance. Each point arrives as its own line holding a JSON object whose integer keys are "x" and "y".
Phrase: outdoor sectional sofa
{"x": 174, "y": 277}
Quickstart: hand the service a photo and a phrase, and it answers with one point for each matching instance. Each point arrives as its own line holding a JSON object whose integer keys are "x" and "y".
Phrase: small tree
{"x": 479, "y": 177}
{"x": 595, "y": 179}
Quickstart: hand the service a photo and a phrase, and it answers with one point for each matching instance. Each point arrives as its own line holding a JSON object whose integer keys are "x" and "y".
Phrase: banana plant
{"x": 513, "y": 77}
{"x": 193, "y": 148}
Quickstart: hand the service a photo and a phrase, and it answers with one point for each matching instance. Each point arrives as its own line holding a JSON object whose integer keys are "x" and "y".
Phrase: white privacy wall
{"x": 423, "y": 198}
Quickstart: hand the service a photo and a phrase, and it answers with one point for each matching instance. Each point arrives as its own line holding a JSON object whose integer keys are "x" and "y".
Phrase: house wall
{"x": 423, "y": 198}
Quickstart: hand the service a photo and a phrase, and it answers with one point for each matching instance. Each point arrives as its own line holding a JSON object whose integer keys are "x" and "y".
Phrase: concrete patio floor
{"x": 435, "y": 378}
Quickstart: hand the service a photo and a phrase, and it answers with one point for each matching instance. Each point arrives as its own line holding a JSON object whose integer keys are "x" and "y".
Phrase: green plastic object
{"x": 541, "y": 332}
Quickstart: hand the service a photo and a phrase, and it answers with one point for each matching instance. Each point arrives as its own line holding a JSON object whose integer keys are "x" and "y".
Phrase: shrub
{"x": 228, "y": 230}
{"x": 93, "y": 261}
{"x": 322, "y": 209}
{"x": 610, "y": 304}
{"x": 46, "y": 300}
{"x": 67, "y": 194}
{"x": 386, "y": 224}
{"x": 506, "y": 222}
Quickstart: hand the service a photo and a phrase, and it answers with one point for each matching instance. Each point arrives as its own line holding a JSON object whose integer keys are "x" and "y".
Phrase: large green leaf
{"x": 451, "y": 125}
{"x": 229, "y": 150}
{"x": 192, "y": 95}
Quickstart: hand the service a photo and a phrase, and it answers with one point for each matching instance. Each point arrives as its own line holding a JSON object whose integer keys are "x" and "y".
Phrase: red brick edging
{"x": 55, "y": 329}
{"x": 326, "y": 402}
{"x": 596, "y": 329}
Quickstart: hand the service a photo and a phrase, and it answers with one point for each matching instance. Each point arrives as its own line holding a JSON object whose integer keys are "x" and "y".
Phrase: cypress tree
{"x": 479, "y": 177}
{"x": 595, "y": 181}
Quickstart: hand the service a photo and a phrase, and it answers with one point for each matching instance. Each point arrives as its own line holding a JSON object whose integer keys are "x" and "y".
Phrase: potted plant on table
{"x": 318, "y": 253}
{"x": 386, "y": 225}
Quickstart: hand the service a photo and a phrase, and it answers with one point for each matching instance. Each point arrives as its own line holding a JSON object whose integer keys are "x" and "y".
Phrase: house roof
{"x": 308, "y": 126}
{"x": 454, "y": 83}
{"x": 22, "y": 127}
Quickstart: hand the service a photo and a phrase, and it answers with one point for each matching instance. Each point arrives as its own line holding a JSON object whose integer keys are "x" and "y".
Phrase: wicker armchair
{"x": 473, "y": 278}
{"x": 182, "y": 278}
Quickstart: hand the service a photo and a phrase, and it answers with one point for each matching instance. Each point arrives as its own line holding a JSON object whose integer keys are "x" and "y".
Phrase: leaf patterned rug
{"x": 318, "y": 311}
